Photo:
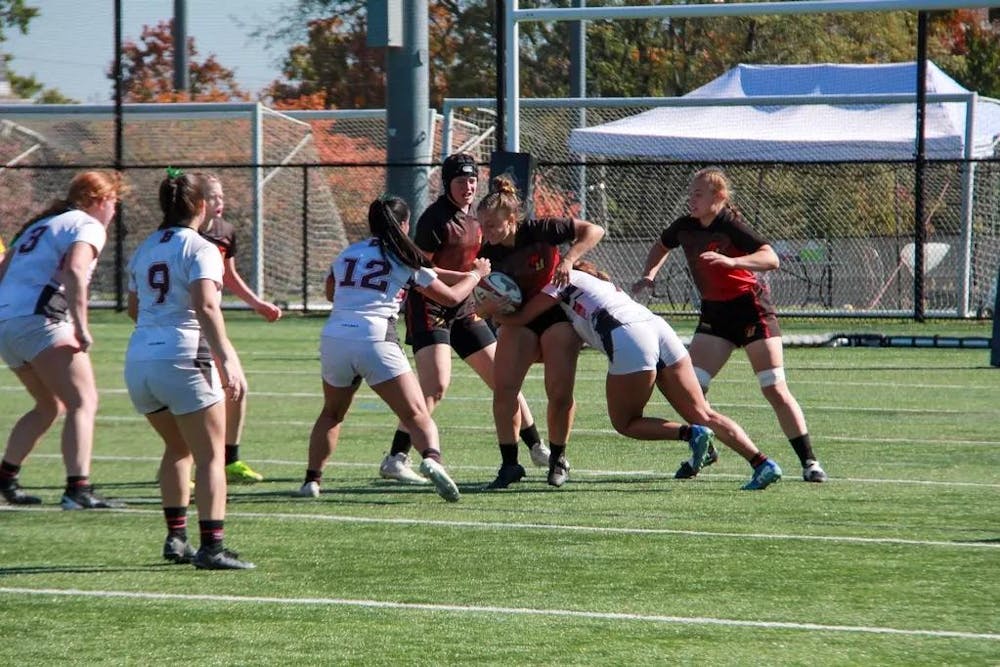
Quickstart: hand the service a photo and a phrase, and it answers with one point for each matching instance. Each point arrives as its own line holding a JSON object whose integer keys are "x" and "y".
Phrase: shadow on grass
{"x": 80, "y": 569}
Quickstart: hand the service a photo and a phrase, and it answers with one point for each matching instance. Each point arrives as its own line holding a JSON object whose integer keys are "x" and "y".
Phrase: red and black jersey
{"x": 452, "y": 235}
{"x": 223, "y": 236}
{"x": 532, "y": 260}
{"x": 728, "y": 235}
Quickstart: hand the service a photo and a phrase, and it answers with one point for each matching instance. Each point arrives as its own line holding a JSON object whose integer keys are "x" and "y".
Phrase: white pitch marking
{"x": 518, "y": 611}
{"x": 653, "y": 474}
{"x": 603, "y": 530}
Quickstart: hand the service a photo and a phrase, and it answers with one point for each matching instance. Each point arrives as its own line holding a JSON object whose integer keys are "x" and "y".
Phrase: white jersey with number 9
{"x": 160, "y": 273}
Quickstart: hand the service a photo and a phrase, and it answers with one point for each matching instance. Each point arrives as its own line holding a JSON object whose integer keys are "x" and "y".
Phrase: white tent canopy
{"x": 857, "y": 130}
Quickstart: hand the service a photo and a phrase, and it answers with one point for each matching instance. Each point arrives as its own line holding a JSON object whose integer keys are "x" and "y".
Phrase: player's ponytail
{"x": 181, "y": 197}
{"x": 502, "y": 199}
{"x": 386, "y": 216}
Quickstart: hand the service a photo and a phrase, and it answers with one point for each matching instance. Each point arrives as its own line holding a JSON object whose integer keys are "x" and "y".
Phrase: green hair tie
{"x": 174, "y": 172}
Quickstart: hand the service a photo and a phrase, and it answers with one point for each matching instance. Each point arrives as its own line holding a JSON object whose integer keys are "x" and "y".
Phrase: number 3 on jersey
{"x": 32, "y": 239}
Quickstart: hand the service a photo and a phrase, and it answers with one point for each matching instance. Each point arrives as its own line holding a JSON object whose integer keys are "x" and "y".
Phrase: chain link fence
{"x": 298, "y": 185}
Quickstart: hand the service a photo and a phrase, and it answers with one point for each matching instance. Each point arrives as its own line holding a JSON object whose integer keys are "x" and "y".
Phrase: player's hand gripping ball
{"x": 501, "y": 286}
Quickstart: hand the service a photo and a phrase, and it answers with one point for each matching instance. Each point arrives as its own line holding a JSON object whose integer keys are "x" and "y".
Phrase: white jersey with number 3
{"x": 369, "y": 287}
{"x": 160, "y": 273}
{"x": 35, "y": 273}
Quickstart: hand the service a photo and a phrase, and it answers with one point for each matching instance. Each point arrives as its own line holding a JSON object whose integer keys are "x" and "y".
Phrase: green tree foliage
{"x": 630, "y": 58}
{"x": 30, "y": 87}
{"x": 15, "y": 14}
{"x": 18, "y": 15}
{"x": 966, "y": 44}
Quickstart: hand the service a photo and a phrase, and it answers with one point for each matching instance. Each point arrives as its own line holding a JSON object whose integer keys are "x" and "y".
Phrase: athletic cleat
{"x": 14, "y": 495}
{"x": 397, "y": 467}
{"x": 223, "y": 559}
{"x": 437, "y": 475}
{"x": 83, "y": 498}
{"x": 308, "y": 490}
{"x": 239, "y": 472}
{"x": 687, "y": 471}
{"x": 177, "y": 550}
{"x": 699, "y": 439}
{"x": 764, "y": 475}
{"x": 558, "y": 472}
{"x": 811, "y": 472}
{"x": 507, "y": 475}
{"x": 711, "y": 456}
{"x": 540, "y": 455}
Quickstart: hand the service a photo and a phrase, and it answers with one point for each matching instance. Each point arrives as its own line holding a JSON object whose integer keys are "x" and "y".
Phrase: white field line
{"x": 514, "y": 611}
{"x": 653, "y": 474}
{"x": 550, "y": 527}
{"x": 354, "y": 422}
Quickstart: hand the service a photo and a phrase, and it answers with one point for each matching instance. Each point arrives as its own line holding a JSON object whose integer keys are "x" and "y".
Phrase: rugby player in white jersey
{"x": 643, "y": 351}
{"x": 44, "y": 333}
{"x": 174, "y": 283}
{"x": 367, "y": 283}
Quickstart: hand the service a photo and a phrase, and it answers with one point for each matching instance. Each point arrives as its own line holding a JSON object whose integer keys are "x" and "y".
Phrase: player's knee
{"x": 771, "y": 377}
{"x": 704, "y": 378}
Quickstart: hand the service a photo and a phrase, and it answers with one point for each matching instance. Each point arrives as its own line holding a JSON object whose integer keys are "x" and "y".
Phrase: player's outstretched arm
{"x": 233, "y": 281}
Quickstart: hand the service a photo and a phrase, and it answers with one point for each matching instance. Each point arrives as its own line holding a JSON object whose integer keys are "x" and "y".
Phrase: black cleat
{"x": 687, "y": 472}
{"x": 222, "y": 559}
{"x": 13, "y": 494}
{"x": 177, "y": 550}
{"x": 507, "y": 475}
{"x": 558, "y": 472}
{"x": 83, "y": 498}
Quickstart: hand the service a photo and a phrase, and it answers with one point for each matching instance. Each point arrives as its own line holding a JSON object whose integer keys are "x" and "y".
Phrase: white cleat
{"x": 444, "y": 485}
{"x": 540, "y": 455}
{"x": 308, "y": 490}
{"x": 397, "y": 467}
{"x": 811, "y": 472}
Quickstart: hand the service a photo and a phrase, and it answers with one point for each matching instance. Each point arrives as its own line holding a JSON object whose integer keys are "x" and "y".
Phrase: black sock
{"x": 232, "y": 454}
{"x": 556, "y": 452}
{"x": 757, "y": 459}
{"x": 74, "y": 482}
{"x": 432, "y": 454}
{"x": 400, "y": 443}
{"x": 508, "y": 454}
{"x": 9, "y": 470}
{"x": 529, "y": 434}
{"x": 212, "y": 533}
{"x": 685, "y": 432}
{"x": 176, "y": 518}
{"x": 314, "y": 476}
{"x": 803, "y": 448}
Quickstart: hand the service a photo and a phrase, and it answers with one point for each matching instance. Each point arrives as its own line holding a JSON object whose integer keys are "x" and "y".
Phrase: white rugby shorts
{"x": 181, "y": 386}
{"x": 343, "y": 361}
{"x": 24, "y": 338}
{"x": 640, "y": 346}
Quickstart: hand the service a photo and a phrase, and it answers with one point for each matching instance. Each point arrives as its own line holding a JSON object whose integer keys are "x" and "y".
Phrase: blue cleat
{"x": 764, "y": 475}
{"x": 699, "y": 439}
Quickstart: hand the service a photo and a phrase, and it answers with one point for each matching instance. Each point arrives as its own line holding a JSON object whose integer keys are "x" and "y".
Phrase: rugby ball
{"x": 501, "y": 285}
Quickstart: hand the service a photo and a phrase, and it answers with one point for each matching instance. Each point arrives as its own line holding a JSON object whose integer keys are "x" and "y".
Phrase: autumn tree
{"x": 334, "y": 68}
{"x": 148, "y": 70}
{"x": 966, "y": 44}
{"x": 629, "y": 58}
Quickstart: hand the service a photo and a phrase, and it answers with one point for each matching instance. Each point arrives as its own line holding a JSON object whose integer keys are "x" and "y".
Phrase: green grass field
{"x": 895, "y": 561}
